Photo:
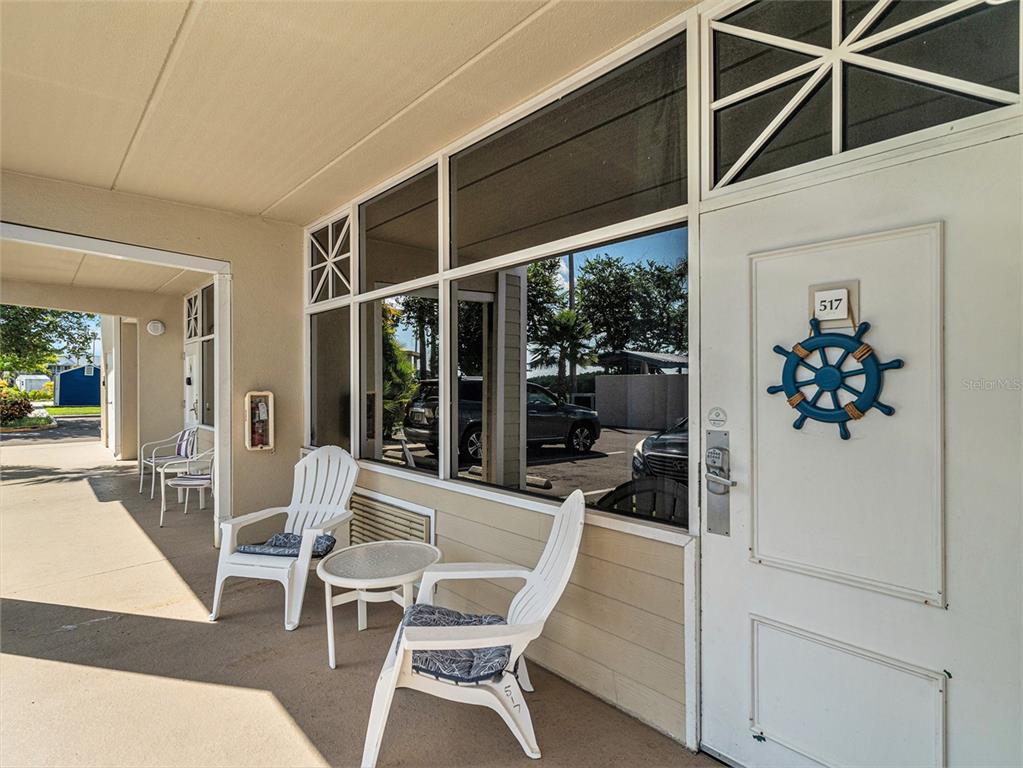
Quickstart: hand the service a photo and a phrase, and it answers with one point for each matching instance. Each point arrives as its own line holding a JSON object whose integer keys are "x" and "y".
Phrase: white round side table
{"x": 377, "y": 572}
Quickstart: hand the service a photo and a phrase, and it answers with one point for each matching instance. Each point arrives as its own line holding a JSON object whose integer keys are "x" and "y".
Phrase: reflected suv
{"x": 664, "y": 454}
{"x": 549, "y": 419}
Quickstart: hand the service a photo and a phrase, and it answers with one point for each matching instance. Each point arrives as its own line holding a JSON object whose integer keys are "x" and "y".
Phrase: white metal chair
{"x": 195, "y": 473}
{"x": 183, "y": 445}
{"x": 324, "y": 481}
{"x": 409, "y": 665}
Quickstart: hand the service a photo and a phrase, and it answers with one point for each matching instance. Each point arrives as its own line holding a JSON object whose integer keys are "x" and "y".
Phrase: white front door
{"x": 864, "y": 607}
{"x": 193, "y": 384}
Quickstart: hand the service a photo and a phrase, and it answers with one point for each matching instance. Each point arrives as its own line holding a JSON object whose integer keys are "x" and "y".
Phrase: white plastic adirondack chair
{"x": 182, "y": 446}
{"x": 526, "y": 616}
{"x": 324, "y": 481}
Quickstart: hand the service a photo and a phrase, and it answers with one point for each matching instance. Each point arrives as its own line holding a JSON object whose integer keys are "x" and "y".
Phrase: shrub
{"x": 14, "y": 405}
{"x": 45, "y": 393}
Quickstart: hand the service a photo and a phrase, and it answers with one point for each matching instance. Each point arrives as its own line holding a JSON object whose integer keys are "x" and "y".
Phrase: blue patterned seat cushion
{"x": 471, "y": 665}
{"x": 287, "y": 544}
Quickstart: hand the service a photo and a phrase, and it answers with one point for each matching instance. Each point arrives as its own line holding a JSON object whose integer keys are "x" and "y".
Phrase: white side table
{"x": 390, "y": 568}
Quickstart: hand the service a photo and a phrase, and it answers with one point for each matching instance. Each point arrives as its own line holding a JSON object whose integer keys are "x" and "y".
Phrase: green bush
{"x": 14, "y": 405}
{"x": 46, "y": 393}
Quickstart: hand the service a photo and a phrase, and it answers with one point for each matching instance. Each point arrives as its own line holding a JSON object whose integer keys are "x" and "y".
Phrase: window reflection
{"x": 400, "y": 351}
{"x": 572, "y": 373}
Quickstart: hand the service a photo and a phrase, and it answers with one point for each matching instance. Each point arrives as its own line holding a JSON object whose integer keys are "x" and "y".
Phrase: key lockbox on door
{"x": 718, "y": 475}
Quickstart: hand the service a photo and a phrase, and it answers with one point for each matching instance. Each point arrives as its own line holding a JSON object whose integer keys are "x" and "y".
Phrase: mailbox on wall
{"x": 259, "y": 421}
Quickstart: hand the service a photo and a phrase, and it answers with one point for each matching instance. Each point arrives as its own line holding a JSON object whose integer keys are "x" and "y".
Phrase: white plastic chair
{"x": 324, "y": 481}
{"x": 195, "y": 473}
{"x": 181, "y": 443}
{"x": 526, "y": 617}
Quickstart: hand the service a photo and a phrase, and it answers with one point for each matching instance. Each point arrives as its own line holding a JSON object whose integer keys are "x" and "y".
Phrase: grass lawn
{"x": 27, "y": 423}
{"x": 73, "y": 410}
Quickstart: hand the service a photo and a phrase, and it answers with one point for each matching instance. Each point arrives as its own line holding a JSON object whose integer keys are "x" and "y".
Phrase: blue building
{"x": 77, "y": 386}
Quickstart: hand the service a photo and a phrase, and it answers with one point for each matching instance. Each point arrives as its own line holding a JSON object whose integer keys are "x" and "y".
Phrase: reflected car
{"x": 664, "y": 454}
{"x": 549, "y": 420}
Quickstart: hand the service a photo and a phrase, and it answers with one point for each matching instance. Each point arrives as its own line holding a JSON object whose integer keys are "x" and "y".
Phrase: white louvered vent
{"x": 376, "y": 517}
{"x": 376, "y": 520}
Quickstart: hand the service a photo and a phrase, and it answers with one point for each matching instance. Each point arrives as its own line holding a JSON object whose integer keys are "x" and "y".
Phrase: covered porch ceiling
{"x": 28, "y": 262}
{"x": 281, "y": 110}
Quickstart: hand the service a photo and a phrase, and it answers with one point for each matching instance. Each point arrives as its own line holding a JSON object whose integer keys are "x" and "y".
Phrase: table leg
{"x": 362, "y": 612}
{"x": 330, "y": 627}
{"x": 406, "y": 595}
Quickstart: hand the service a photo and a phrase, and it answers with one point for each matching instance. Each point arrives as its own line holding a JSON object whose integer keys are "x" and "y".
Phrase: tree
{"x": 565, "y": 340}
{"x": 31, "y": 337}
{"x": 419, "y": 314}
{"x": 399, "y": 375}
{"x": 606, "y": 296}
{"x": 660, "y": 321}
{"x": 545, "y": 295}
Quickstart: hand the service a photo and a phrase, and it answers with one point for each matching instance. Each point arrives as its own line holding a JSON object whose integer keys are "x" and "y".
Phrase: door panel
{"x": 866, "y": 606}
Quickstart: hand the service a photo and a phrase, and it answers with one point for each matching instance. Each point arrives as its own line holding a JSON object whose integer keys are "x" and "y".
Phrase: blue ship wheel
{"x": 822, "y": 355}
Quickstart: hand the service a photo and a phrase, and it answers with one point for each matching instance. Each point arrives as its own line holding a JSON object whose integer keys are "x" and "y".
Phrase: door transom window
{"x": 797, "y": 80}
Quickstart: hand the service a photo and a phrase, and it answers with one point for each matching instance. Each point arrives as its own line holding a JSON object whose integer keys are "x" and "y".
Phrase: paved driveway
{"x": 75, "y": 429}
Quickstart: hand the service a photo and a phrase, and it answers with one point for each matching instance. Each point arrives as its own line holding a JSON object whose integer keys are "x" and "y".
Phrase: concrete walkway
{"x": 108, "y": 658}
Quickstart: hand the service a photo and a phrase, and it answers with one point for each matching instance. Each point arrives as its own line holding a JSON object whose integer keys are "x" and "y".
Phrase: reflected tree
{"x": 566, "y": 339}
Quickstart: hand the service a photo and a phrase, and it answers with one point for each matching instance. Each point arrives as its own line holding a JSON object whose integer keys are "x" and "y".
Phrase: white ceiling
{"x": 279, "y": 109}
{"x": 57, "y": 266}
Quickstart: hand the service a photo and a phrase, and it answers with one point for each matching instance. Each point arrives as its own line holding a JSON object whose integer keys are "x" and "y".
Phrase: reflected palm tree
{"x": 565, "y": 340}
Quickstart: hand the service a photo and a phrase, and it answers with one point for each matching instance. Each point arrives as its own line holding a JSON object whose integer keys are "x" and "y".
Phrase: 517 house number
{"x": 831, "y": 305}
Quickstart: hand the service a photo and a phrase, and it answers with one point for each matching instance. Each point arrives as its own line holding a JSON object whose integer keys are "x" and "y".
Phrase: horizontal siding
{"x": 617, "y": 630}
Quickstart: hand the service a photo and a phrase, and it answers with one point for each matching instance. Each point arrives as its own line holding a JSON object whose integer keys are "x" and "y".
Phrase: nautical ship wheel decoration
{"x": 827, "y": 375}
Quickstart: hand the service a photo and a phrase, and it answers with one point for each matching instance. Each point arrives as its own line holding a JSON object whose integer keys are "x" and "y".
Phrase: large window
{"x": 330, "y": 382}
{"x": 400, "y": 390}
{"x": 399, "y": 233}
{"x": 610, "y": 151}
{"x": 572, "y": 373}
{"x": 791, "y": 82}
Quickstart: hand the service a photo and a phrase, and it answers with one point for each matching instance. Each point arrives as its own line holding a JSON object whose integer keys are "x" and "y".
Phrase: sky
{"x": 670, "y": 247}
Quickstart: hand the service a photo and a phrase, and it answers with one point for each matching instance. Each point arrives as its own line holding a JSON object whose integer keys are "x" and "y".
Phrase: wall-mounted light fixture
{"x": 156, "y": 327}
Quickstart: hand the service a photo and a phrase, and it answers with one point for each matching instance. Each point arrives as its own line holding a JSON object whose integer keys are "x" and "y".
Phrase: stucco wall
{"x": 618, "y": 628}
{"x": 267, "y": 280}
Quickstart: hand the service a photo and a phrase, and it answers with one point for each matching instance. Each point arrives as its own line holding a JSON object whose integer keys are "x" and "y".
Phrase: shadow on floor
{"x": 249, "y": 649}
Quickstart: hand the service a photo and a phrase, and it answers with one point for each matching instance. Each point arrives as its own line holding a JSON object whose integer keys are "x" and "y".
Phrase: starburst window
{"x": 797, "y": 80}
{"x": 329, "y": 259}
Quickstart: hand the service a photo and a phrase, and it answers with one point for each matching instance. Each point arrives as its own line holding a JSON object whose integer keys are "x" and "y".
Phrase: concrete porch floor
{"x": 107, "y": 657}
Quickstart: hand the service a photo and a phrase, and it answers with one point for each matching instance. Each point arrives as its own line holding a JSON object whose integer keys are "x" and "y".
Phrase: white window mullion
{"x": 319, "y": 285}
{"x": 932, "y": 78}
{"x": 318, "y": 247}
{"x": 775, "y": 124}
{"x": 336, "y": 246}
{"x": 865, "y": 23}
{"x": 445, "y": 376}
{"x": 837, "y": 95}
{"x": 766, "y": 85}
{"x": 763, "y": 37}
{"x": 836, "y": 78}
{"x": 356, "y": 412}
{"x": 919, "y": 22}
